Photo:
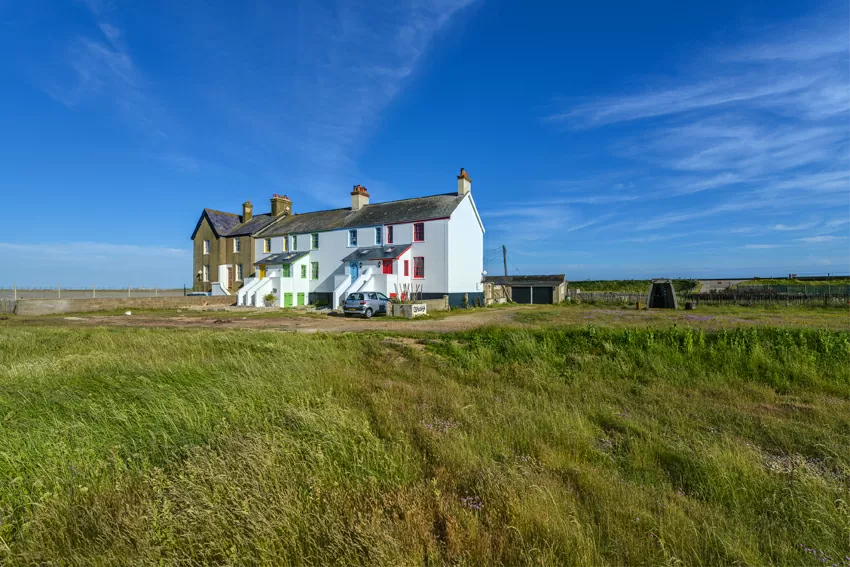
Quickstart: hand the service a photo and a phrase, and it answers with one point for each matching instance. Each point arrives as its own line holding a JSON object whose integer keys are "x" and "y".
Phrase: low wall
{"x": 436, "y": 304}
{"x": 54, "y": 306}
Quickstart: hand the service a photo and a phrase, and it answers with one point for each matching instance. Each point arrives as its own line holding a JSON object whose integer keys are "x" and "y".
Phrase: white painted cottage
{"x": 434, "y": 243}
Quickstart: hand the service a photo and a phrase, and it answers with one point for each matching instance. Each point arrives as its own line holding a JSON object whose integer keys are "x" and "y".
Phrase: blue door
{"x": 355, "y": 271}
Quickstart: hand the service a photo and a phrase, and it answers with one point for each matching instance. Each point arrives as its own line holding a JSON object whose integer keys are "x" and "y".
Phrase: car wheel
{"x": 368, "y": 313}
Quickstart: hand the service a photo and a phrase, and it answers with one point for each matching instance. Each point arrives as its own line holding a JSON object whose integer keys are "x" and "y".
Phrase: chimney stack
{"x": 247, "y": 211}
{"x": 281, "y": 205}
{"x": 359, "y": 198}
{"x": 464, "y": 183}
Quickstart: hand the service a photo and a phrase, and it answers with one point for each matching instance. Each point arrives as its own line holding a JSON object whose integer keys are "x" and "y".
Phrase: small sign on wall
{"x": 419, "y": 309}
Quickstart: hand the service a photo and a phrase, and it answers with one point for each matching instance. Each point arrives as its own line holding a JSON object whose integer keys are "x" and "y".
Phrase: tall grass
{"x": 583, "y": 446}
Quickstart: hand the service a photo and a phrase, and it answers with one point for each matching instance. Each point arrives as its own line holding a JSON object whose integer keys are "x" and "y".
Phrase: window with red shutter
{"x": 389, "y": 235}
{"x": 418, "y": 267}
{"x": 419, "y": 232}
{"x": 407, "y": 267}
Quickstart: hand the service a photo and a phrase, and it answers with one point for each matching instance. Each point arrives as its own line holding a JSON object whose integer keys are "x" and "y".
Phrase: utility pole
{"x": 505, "y": 258}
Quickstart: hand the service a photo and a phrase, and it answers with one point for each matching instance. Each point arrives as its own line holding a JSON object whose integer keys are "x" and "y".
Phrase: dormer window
{"x": 379, "y": 236}
{"x": 352, "y": 238}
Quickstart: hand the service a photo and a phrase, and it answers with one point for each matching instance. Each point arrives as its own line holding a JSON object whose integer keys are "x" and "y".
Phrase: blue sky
{"x": 604, "y": 140}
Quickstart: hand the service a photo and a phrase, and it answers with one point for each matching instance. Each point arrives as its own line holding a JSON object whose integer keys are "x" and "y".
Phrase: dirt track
{"x": 518, "y": 316}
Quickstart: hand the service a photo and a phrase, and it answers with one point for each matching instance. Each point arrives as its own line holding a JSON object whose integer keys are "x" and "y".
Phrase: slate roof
{"x": 230, "y": 224}
{"x": 552, "y": 280}
{"x": 257, "y": 222}
{"x": 390, "y": 251}
{"x": 390, "y": 212}
{"x": 281, "y": 258}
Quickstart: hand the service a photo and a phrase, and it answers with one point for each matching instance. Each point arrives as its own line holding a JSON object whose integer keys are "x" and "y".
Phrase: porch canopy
{"x": 281, "y": 258}
{"x": 388, "y": 252}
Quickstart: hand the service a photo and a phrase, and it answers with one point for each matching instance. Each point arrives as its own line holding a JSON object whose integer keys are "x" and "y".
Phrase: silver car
{"x": 365, "y": 303}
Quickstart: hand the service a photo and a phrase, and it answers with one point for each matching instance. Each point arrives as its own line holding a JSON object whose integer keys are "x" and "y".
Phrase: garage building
{"x": 537, "y": 290}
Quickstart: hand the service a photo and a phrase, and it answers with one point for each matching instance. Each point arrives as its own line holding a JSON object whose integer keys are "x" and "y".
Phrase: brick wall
{"x": 54, "y": 306}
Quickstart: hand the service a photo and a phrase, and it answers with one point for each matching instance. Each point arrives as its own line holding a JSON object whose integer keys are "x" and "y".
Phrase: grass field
{"x": 630, "y": 286}
{"x": 836, "y": 282}
{"x": 558, "y": 445}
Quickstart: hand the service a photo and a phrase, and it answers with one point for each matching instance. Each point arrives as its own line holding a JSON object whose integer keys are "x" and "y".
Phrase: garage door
{"x": 541, "y": 295}
{"x": 521, "y": 294}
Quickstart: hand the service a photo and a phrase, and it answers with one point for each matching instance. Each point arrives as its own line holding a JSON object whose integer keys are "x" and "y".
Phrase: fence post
{"x": 58, "y": 291}
{"x": 128, "y": 291}
{"x": 15, "y": 291}
{"x": 93, "y": 294}
{"x": 156, "y": 290}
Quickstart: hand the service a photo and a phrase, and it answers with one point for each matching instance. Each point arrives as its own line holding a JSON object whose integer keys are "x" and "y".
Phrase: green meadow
{"x": 551, "y": 446}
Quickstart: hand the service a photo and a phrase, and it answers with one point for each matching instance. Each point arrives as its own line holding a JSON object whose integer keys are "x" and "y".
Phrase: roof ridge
{"x": 221, "y": 212}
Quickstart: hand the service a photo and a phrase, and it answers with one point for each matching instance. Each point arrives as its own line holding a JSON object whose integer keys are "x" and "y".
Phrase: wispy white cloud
{"x": 78, "y": 251}
{"x": 821, "y": 239}
{"x": 802, "y": 226}
{"x": 761, "y": 246}
{"x": 325, "y": 103}
{"x": 756, "y": 129}
{"x": 99, "y": 69}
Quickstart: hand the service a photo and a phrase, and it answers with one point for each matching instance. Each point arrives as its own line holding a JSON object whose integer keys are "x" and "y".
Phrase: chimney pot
{"x": 247, "y": 211}
{"x": 464, "y": 183}
{"x": 359, "y": 197}
{"x": 281, "y": 205}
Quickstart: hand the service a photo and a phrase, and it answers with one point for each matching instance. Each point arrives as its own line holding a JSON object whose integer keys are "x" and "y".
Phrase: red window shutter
{"x": 407, "y": 267}
{"x": 388, "y": 266}
{"x": 389, "y": 235}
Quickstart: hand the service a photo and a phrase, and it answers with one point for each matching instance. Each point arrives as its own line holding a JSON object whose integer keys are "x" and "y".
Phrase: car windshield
{"x": 355, "y": 296}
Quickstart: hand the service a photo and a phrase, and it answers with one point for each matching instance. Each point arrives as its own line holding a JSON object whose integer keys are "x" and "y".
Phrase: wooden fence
{"x": 611, "y": 297}
{"x": 839, "y": 296}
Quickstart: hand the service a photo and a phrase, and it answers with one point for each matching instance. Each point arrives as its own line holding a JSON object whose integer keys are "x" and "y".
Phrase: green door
{"x": 287, "y": 300}
{"x": 300, "y": 298}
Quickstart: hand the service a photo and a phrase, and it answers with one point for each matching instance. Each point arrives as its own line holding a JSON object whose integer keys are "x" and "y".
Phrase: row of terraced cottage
{"x": 434, "y": 244}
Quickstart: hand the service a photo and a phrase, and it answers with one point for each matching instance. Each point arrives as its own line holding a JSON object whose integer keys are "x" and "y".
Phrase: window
{"x": 206, "y": 272}
{"x": 206, "y": 246}
{"x": 239, "y": 272}
{"x": 314, "y": 270}
{"x": 294, "y": 242}
{"x": 389, "y": 235}
{"x": 267, "y": 245}
{"x": 285, "y": 242}
{"x": 303, "y": 271}
{"x": 379, "y": 236}
{"x": 418, "y": 267}
{"x": 388, "y": 266}
{"x": 419, "y": 232}
{"x": 407, "y": 267}
{"x": 314, "y": 241}
{"x": 237, "y": 245}
{"x": 372, "y": 295}
{"x": 352, "y": 238}
{"x": 286, "y": 271}
{"x": 382, "y": 296}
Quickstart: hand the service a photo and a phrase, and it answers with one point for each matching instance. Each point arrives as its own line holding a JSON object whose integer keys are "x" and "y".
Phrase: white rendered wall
{"x": 466, "y": 249}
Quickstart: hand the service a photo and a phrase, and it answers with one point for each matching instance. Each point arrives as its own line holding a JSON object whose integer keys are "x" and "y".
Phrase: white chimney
{"x": 464, "y": 183}
{"x": 359, "y": 198}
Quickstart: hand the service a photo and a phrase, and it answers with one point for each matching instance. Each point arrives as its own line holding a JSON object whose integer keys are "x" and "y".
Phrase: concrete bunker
{"x": 661, "y": 295}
